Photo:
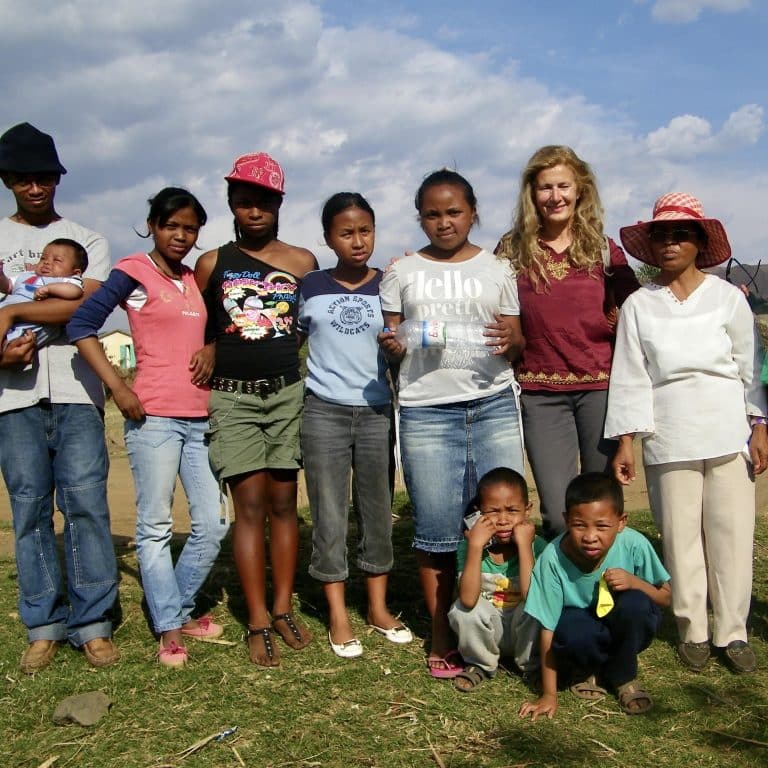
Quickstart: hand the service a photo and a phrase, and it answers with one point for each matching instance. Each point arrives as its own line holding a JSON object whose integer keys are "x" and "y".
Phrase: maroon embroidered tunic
{"x": 568, "y": 341}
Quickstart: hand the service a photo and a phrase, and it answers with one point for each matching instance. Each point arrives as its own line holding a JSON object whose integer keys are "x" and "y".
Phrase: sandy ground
{"x": 123, "y": 510}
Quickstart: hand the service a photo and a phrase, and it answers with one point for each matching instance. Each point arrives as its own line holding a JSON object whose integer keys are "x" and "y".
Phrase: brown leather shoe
{"x": 101, "y": 652}
{"x": 38, "y": 655}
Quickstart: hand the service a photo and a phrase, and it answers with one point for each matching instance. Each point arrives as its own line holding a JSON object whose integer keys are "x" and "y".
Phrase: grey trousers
{"x": 563, "y": 434}
{"x": 485, "y": 634}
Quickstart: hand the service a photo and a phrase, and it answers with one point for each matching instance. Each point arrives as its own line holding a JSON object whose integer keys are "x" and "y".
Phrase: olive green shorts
{"x": 249, "y": 432}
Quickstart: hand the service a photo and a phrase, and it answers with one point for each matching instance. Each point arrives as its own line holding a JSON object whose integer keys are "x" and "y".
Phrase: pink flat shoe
{"x": 172, "y": 655}
{"x": 208, "y": 629}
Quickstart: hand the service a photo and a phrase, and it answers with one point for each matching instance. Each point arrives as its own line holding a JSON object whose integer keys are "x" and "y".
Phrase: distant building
{"x": 118, "y": 346}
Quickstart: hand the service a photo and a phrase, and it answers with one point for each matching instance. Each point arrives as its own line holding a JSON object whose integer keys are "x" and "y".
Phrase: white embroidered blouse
{"x": 686, "y": 374}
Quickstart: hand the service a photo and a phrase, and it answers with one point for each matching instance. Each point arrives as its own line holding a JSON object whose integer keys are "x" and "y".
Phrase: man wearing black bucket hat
{"x": 51, "y": 428}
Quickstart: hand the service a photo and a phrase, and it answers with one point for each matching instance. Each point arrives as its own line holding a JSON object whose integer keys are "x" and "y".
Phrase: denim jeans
{"x": 60, "y": 447}
{"x": 446, "y": 449}
{"x": 160, "y": 449}
{"x": 336, "y": 440}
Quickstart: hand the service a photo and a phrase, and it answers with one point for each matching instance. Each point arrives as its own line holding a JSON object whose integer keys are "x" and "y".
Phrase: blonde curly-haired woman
{"x": 570, "y": 280}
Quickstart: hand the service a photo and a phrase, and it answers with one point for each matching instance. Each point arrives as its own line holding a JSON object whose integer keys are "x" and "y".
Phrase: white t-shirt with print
{"x": 59, "y": 375}
{"x": 468, "y": 291}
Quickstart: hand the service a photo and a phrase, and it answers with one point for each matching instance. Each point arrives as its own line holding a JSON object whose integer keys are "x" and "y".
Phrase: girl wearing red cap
{"x": 251, "y": 291}
{"x": 686, "y": 379}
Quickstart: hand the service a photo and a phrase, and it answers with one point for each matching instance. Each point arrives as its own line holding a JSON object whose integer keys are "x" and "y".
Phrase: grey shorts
{"x": 249, "y": 432}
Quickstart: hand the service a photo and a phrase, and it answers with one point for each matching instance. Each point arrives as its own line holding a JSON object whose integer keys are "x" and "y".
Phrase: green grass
{"x": 381, "y": 710}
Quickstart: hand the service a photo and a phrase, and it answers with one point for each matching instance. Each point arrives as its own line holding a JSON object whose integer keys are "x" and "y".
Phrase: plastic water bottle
{"x": 458, "y": 342}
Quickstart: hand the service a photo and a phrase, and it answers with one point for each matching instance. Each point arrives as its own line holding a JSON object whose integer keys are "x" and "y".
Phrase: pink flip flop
{"x": 447, "y": 667}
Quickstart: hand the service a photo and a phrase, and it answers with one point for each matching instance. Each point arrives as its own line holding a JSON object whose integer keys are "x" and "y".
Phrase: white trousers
{"x": 706, "y": 513}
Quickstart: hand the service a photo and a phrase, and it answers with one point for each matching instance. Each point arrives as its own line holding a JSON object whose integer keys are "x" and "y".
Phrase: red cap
{"x": 259, "y": 169}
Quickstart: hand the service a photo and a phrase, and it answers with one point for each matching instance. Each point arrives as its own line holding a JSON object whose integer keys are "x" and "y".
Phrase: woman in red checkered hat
{"x": 251, "y": 290}
{"x": 686, "y": 379}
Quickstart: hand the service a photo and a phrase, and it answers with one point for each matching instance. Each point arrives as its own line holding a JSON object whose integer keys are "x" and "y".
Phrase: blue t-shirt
{"x": 345, "y": 364}
{"x": 559, "y": 583}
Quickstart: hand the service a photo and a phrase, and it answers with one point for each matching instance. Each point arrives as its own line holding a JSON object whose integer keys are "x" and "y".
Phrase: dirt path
{"x": 121, "y": 506}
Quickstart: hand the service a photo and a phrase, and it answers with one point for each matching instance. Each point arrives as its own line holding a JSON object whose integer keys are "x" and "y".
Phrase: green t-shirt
{"x": 559, "y": 583}
{"x": 499, "y": 582}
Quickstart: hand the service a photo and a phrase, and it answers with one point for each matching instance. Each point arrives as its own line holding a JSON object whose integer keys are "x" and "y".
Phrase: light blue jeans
{"x": 60, "y": 446}
{"x": 446, "y": 449}
{"x": 160, "y": 449}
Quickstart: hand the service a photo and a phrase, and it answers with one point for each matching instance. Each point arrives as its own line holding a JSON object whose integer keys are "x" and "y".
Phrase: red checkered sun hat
{"x": 678, "y": 206}
{"x": 259, "y": 169}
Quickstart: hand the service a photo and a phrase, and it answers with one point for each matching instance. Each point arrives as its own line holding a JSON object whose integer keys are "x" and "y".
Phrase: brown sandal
{"x": 632, "y": 693}
{"x": 588, "y": 689}
{"x": 270, "y": 656}
{"x": 297, "y": 636}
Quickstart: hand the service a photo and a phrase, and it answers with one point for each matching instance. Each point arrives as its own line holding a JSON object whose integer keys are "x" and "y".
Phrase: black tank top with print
{"x": 252, "y": 310}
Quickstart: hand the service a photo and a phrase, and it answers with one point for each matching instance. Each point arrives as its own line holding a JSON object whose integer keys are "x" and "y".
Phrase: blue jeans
{"x": 160, "y": 449}
{"x": 336, "y": 440}
{"x": 60, "y": 447}
{"x": 446, "y": 449}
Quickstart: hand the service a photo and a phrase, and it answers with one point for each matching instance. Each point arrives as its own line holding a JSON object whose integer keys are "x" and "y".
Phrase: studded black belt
{"x": 260, "y": 387}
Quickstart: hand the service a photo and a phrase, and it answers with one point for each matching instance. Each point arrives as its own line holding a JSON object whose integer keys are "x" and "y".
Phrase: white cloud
{"x": 689, "y": 135}
{"x": 139, "y": 96}
{"x": 685, "y": 11}
{"x": 743, "y": 127}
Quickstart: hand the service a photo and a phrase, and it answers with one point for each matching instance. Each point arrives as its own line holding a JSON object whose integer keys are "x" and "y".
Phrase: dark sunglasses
{"x": 677, "y": 235}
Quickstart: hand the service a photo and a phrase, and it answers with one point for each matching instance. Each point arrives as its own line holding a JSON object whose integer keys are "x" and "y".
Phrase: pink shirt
{"x": 167, "y": 330}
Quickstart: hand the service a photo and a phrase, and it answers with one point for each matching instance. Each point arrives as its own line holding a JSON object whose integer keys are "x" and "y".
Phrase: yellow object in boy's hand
{"x": 604, "y": 599}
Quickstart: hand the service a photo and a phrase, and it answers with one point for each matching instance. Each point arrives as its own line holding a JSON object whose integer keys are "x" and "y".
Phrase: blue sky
{"x": 658, "y": 95}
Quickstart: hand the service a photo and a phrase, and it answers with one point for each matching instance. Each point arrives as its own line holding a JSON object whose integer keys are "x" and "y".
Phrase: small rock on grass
{"x": 82, "y": 709}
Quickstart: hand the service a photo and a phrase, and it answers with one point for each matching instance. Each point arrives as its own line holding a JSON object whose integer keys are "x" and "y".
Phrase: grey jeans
{"x": 563, "y": 434}
{"x": 485, "y": 634}
{"x": 336, "y": 440}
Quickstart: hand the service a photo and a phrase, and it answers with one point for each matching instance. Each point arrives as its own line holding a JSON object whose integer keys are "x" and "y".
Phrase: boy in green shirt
{"x": 494, "y": 563}
{"x": 597, "y": 591}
